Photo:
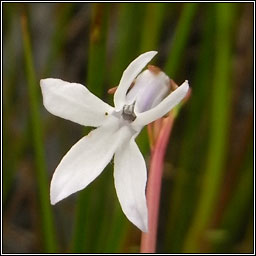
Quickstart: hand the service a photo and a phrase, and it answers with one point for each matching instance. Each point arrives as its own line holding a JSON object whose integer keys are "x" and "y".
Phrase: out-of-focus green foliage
{"x": 207, "y": 194}
{"x": 47, "y": 226}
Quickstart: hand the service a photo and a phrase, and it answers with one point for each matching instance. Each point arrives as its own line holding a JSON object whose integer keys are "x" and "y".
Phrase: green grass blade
{"x": 152, "y": 26}
{"x": 180, "y": 39}
{"x": 59, "y": 36}
{"x": 127, "y": 38}
{"x": 96, "y": 74}
{"x": 81, "y": 222}
{"x": 220, "y": 116}
{"x": 239, "y": 209}
{"x": 47, "y": 224}
{"x": 10, "y": 69}
{"x": 186, "y": 181}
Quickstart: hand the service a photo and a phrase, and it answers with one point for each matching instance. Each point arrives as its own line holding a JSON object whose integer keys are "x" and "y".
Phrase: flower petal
{"x": 130, "y": 177}
{"x": 86, "y": 159}
{"x": 74, "y": 102}
{"x": 129, "y": 75}
{"x": 162, "y": 108}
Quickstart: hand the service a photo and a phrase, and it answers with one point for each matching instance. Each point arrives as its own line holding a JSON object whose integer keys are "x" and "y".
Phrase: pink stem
{"x": 148, "y": 240}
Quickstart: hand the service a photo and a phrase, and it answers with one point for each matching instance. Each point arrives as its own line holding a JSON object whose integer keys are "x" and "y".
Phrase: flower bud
{"x": 150, "y": 87}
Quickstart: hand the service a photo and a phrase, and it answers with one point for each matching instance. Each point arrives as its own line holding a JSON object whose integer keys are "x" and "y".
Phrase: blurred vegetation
{"x": 207, "y": 195}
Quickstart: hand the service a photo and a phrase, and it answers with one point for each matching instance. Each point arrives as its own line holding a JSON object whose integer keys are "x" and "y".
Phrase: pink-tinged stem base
{"x": 148, "y": 240}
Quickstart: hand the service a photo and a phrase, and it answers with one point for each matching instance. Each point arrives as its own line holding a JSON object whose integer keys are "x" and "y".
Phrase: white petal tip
{"x": 139, "y": 223}
{"x": 153, "y": 53}
{"x": 144, "y": 229}
{"x": 186, "y": 82}
{"x": 55, "y": 194}
{"x": 53, "y": 199}
{"x": 45, "y": 82}
{"x": 149, "y": 55}
{"x": 184, "y": 86}
{"x": 42, "y": 81}
{"x": 53, "y": 202}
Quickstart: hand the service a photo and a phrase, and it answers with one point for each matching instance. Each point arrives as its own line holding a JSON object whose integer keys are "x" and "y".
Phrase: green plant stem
{"x": 186, "y": 180}
{"x": 59, "y": 36}
{"x": 219, "y": 130}
{"x": 130, "y": 17}
{"x": 47, "y": 224}
{"x": 180, "y": 39}
{"x": 81, "y": 222}
{"x": 239, "y": 208}
{"x": 97, "y": 49}
{"x": 152, "y": 26}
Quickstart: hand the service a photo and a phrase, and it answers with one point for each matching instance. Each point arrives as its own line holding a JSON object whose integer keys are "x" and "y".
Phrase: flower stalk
{"x": 148, "y": 240}
{"x": 159, "y": 133}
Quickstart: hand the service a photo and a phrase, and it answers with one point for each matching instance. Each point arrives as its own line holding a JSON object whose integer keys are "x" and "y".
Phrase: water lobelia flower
{"x": 117, "y": 128}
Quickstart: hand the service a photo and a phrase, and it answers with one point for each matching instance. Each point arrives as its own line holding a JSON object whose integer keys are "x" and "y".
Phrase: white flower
{"x": 115, "y": 135}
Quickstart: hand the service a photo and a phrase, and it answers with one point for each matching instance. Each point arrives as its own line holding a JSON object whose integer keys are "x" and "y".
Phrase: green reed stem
{"x": 96, "y": 72}
{"x": 240, "y": 207}
{"x": 186, "y": 181}
{"x": 130, "y": 18}
{"x": 64, "y": 12}
{"x": 9, "y": 89}
{"x": 180, "y": 39}
{"x": 152, "y": 26}
{"x": 47, "y": 224}
{"x": 218, "y": 131}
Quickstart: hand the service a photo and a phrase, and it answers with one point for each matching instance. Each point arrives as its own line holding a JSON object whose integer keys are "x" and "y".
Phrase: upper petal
{"x": 74, "y": 102}
{"x": 129, "y": 75}
{"x": 130, "y": 177}
{"x": 162, "y": 108}
{"x": 86, "y": 160}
